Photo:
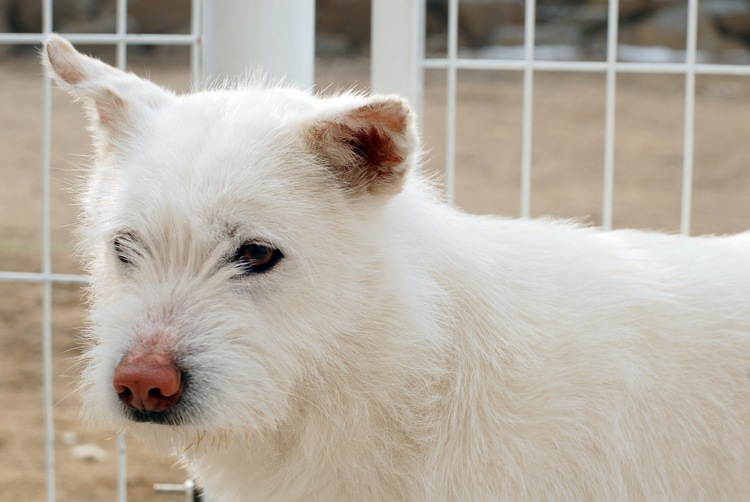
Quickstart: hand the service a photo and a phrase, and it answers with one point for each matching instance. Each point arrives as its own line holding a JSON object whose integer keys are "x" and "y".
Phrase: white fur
{"x": 401, "y": 350}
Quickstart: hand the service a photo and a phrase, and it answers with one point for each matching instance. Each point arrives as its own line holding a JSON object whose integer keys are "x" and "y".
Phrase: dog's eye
{"x": 123, "y": 245}
{"x": 256, "y": 257}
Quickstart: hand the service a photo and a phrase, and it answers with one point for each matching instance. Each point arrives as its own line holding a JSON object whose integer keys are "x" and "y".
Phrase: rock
{"x": 344, "y": 20}
{"x": 657, "y": 54}
{"x": 162, "y": 16}
{"x": 559, "y": 52}
{"x": 591, "y": 16}
{"x": 507, "y": 35}
{"x": 736, "y": 56}
{"x": 478, "y": 19}
{"x": 68, "y": 438}
{"x": 89, "y": 452}
{"x": 633, "y": 8}
{"x": 25, "y": 16}
{"x": 331, "y": 45}
{"x": 561, "y": 33}
{"x": 731, "y": 16}
{"x": 668, "y": 28}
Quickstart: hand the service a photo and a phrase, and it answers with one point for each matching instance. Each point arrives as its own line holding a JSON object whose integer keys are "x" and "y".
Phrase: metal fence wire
{"x": 120, "y": 39}
{"x": 611, "y": 67}
{"x": 398, "y": 66}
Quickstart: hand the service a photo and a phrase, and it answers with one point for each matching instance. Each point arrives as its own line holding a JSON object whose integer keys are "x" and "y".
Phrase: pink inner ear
{"x": 377, "y": 130}
{"x": 108, "y": 105}
{"x": 62, "y": 57}
{"x": 367, "y": 147}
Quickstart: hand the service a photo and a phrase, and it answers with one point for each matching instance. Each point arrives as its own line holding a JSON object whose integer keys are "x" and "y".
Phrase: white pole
{"x": 122, "y": 468}
{"x": 397, "y": 49}
{"x": 122, "y": 51}
{"x": 509, "y": 64}
{"x": 196, "y": 25}
{"x": 609, "y": 118}
{"x": 450, "y": 140}
{"x": 49, "y": 419}
{"x": 122, "y": 30}
{"x": 528, "y": 106}
{"x": 687, "y": 162}
{"x": 278, "y": 36}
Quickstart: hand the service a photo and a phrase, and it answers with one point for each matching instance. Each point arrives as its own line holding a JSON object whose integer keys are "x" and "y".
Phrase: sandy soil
{"x": 567, "y": 181}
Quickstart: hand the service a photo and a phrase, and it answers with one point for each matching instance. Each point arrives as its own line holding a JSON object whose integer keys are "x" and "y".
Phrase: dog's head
{"x": 231, "y": 239}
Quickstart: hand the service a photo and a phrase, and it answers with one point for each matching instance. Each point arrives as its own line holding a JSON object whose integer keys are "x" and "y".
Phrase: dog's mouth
{"x": 172, "y": 417}
{"x": 172, "y": 411}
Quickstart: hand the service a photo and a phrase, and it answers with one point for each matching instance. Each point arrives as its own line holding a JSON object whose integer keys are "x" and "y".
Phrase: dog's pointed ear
{"x": 113, "y": 97}
{"x": 369, "y": 148}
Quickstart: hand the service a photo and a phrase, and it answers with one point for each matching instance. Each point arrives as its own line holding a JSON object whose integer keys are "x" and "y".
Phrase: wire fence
{"x": 611, "y": 67}
{"x": 121, "y": 39}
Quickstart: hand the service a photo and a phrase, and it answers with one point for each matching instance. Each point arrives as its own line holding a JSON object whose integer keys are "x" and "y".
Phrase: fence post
{"x": 397, "y": 49}
{"x": 277, "y": 35}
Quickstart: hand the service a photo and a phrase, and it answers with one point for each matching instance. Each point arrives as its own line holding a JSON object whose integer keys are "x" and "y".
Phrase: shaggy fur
{"x": 401, "y": 349}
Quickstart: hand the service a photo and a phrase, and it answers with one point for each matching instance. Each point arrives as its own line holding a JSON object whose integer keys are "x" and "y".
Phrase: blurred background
{"x": 567, "y": 165}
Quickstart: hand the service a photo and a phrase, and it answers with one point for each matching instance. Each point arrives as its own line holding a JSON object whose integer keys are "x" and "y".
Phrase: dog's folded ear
{"x": 370, "y": 148}
{"x": 113, "y": 97}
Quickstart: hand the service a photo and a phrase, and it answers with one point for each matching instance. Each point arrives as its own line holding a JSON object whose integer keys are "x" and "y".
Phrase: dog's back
{"x": 597, "y": 366}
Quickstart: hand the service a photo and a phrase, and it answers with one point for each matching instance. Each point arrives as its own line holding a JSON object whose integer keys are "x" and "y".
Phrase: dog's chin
{"x": 183, "y": 413}
{"x": 172, "y": 417}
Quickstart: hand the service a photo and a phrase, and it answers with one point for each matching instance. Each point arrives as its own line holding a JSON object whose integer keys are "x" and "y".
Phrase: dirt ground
{"x": 567, "y": 181}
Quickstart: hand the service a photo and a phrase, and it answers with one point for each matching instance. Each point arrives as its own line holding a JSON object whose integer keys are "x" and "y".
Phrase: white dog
{"x": 280, "y": 301}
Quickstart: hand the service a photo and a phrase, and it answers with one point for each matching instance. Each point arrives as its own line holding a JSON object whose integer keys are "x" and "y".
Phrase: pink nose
{"x": 148, "y": 381}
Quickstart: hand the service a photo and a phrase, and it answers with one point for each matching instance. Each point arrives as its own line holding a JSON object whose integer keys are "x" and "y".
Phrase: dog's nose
{"x": 149, "y": 381}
